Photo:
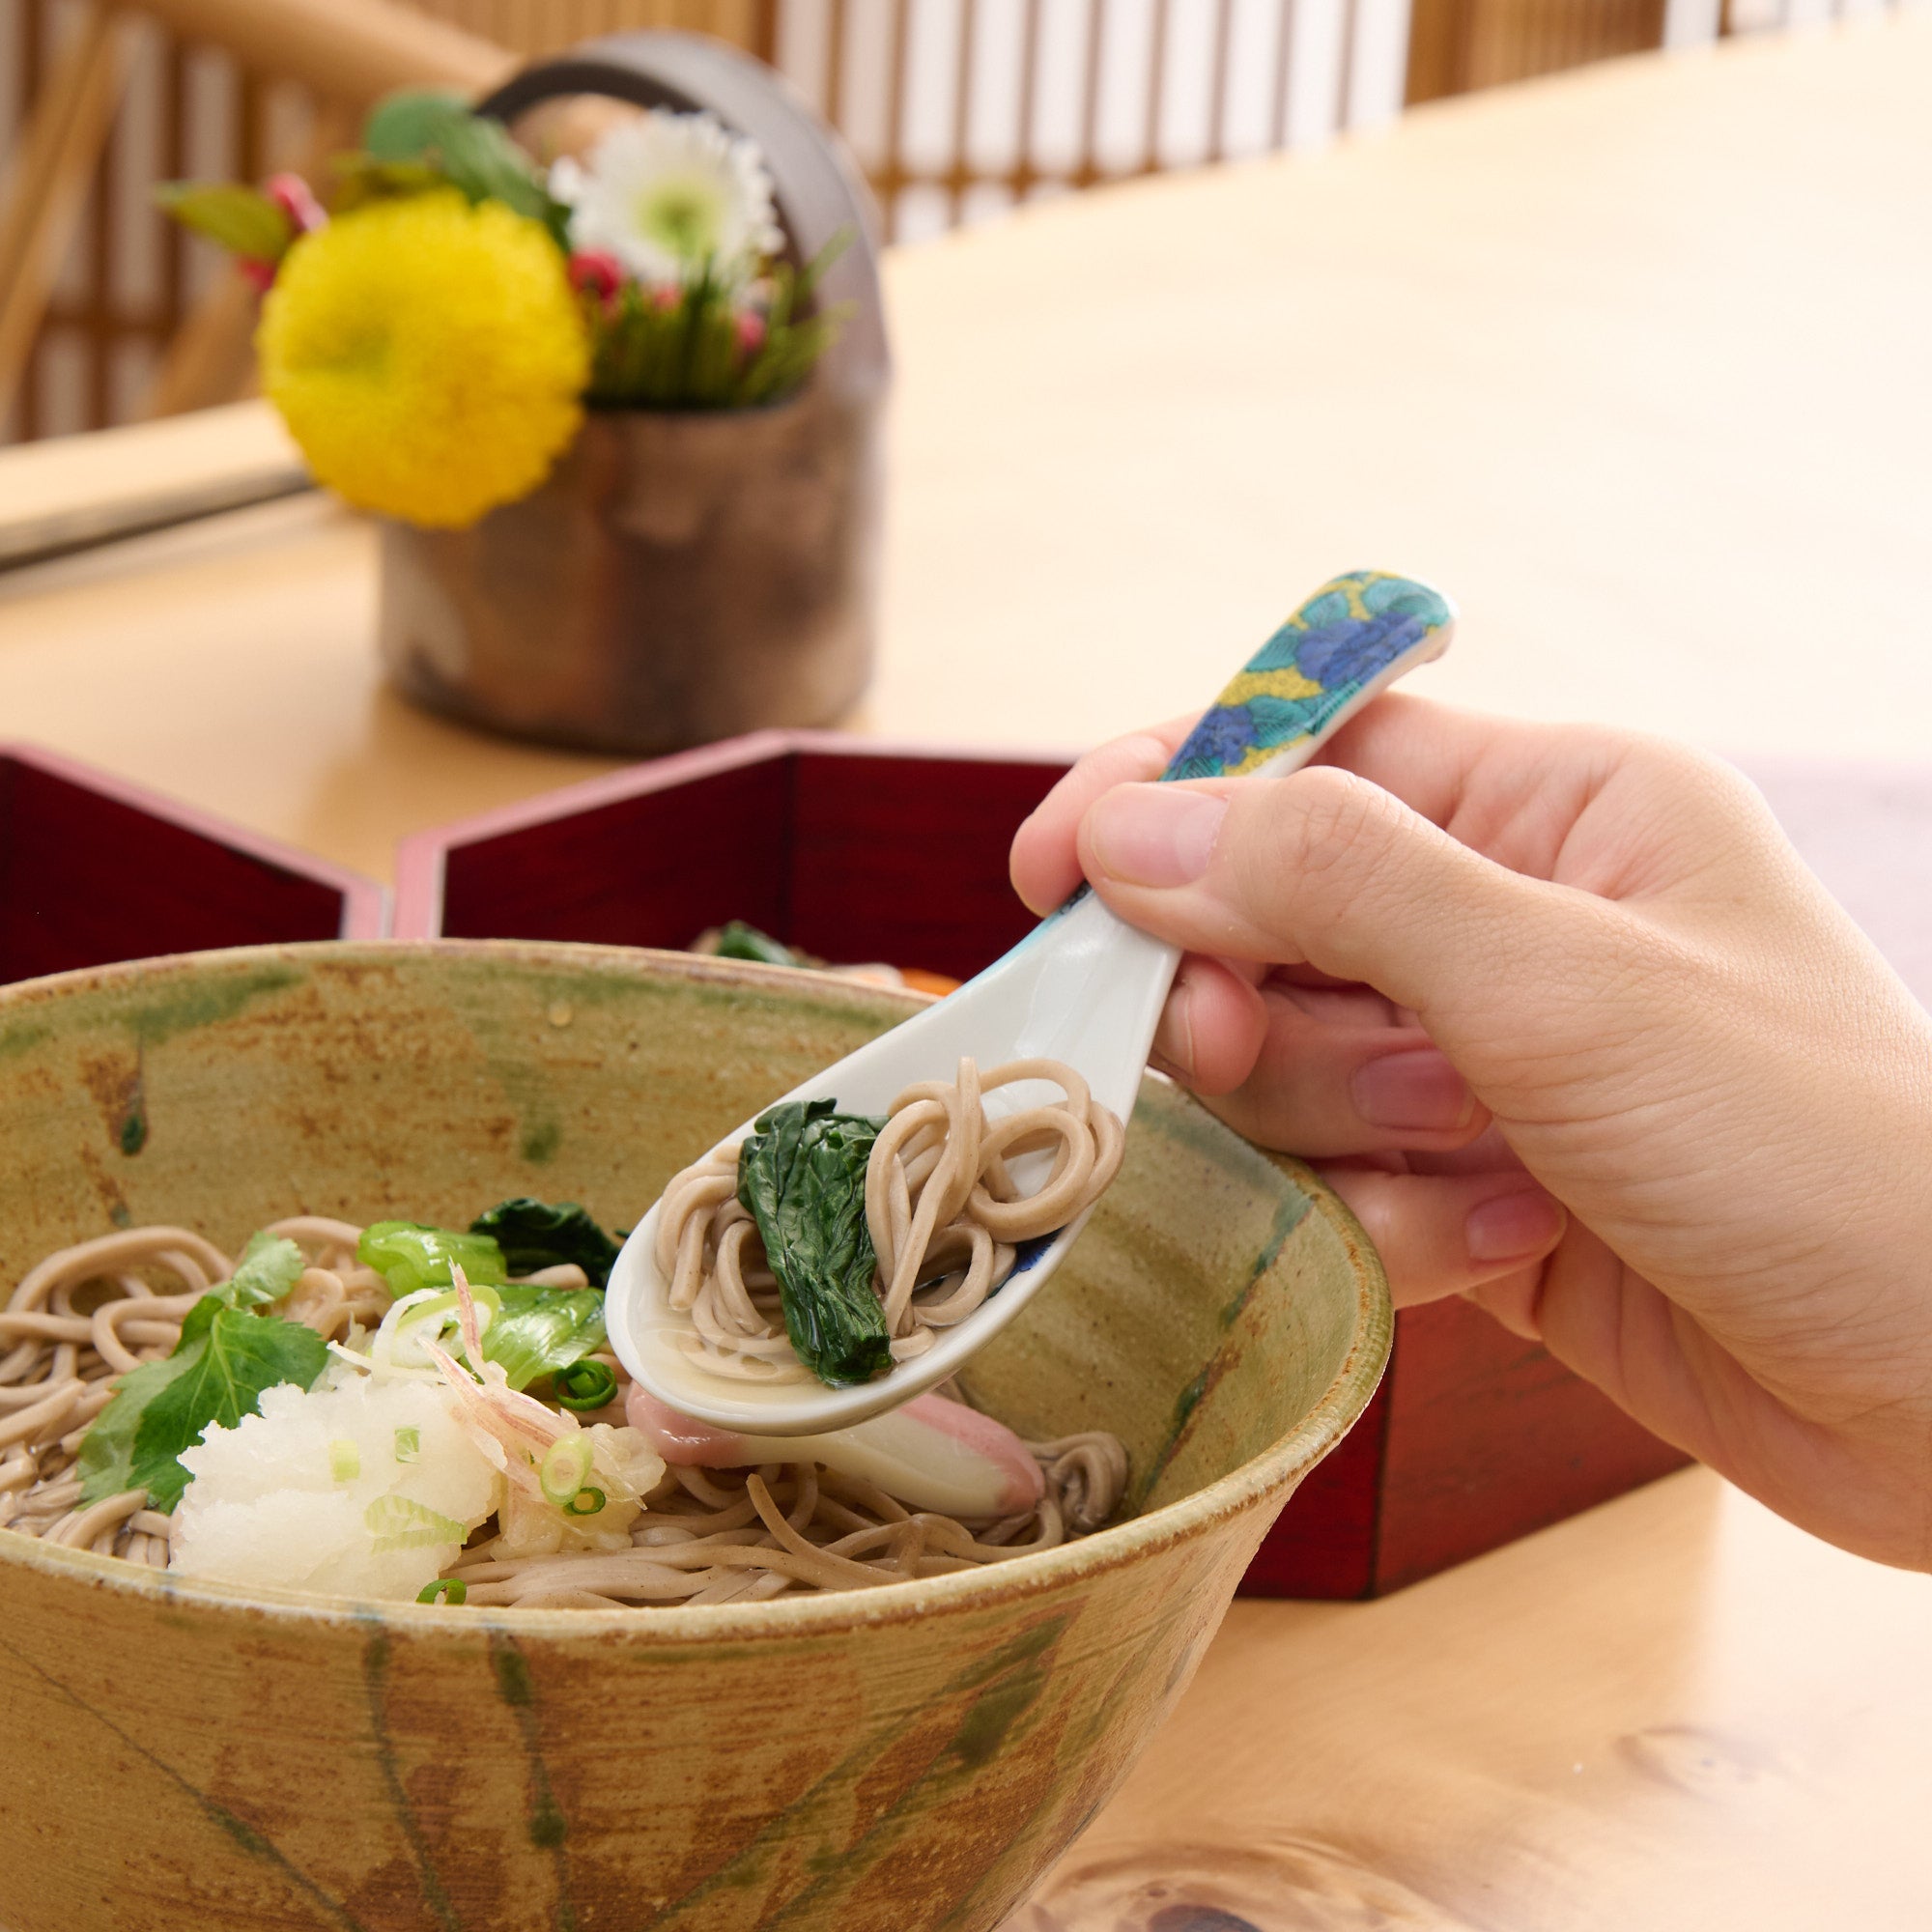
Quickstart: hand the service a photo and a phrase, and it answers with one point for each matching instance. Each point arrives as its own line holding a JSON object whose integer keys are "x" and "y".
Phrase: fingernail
{"x": 1513, "y": 1226}
{"x": 1416, "y": 1091}
{"x": 1153, "y": 834}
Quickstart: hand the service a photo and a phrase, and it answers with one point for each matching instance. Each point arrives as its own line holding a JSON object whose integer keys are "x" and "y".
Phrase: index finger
{"x": 1421, "y": 752}
{"x": 1043, "y": 866}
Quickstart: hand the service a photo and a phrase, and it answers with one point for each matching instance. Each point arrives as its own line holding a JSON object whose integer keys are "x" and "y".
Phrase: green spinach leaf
{"x": 739, "y": 941}
{"x": 225, "y": 1358}
{"x": 802, "y": 1175}
{"x": 534, "y": 1234}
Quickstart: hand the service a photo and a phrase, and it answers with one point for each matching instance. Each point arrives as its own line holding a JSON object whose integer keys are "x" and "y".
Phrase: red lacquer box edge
{"x": 420, "y": 858}
{"x": 365, "y": 901}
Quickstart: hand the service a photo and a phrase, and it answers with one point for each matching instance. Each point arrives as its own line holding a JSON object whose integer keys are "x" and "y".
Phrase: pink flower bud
{"x": 751, "y": 331}
{"x": 596, "y": 271}
{"x": 666, "y": 298}
{"x": 291, "y": 195}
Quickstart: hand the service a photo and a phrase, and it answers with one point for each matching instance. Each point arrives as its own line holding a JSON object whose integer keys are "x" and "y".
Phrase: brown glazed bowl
{"x": 193, "y": 1758}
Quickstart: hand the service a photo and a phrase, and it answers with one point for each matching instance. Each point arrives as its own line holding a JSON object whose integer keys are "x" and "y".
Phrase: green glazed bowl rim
{"x": 1035, "y": 1575}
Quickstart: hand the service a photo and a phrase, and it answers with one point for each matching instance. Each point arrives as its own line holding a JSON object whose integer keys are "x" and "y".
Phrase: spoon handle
{"x": 1356, "y": 634}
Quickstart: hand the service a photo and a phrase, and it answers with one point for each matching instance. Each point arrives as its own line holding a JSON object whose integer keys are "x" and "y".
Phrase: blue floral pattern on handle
{"x": 1347, "y": 635}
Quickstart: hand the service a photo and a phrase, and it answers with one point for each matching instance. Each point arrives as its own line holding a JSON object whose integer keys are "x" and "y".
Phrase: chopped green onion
{"x": 579, "y": 1506}
{"x": 585, "y": 1385}
{"x": 398, "y": 1522}
{"x": 345, "y": 1460}
{"x": 445, "y": 1310}
{"x": 444, "y": 1590}
{"x": 409, "y": 1445}
{"x": 565, "y": 1465}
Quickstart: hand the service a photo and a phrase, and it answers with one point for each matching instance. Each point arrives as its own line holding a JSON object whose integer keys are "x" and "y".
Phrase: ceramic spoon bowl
{"x": 1083, "y": 987}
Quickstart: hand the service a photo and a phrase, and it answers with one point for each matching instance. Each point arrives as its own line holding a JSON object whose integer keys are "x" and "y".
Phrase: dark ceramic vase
{"x": 682, "y": 575}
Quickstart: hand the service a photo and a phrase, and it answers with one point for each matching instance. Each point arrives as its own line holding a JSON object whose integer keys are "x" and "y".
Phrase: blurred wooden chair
{"x": 84, "y": 158}
{"x": 957, "y": 108}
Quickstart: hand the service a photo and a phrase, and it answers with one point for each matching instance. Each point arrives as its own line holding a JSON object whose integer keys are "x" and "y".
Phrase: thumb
{"x": 1325, "y": 868}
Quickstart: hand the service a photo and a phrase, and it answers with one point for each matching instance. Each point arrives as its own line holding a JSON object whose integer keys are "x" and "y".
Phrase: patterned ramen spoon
{"x": 1083, "y": 987}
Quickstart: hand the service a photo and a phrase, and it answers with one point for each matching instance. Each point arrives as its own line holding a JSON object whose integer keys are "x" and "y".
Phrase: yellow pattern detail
{"x": 1249, "y": 684}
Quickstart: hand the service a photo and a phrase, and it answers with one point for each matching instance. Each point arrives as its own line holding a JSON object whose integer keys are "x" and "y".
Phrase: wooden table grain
{"x": 1673, "y": 1713}
{"x": 1634, "y": 364}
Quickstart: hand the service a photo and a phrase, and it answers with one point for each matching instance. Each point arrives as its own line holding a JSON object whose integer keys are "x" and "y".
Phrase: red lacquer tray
{"x": 93, "y": 870}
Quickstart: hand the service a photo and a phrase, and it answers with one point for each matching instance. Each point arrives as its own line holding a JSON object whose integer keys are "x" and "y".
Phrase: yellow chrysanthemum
{"x": 427, "y": 355}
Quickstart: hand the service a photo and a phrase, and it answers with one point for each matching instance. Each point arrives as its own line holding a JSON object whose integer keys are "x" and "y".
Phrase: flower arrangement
{"x": 434, "y": 325}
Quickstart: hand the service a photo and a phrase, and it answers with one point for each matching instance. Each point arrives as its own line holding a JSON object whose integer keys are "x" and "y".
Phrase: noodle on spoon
{"x": 945, "y": 1215}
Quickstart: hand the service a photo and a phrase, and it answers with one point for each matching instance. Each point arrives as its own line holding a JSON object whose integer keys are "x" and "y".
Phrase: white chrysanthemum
{"x": 668, "y": 193}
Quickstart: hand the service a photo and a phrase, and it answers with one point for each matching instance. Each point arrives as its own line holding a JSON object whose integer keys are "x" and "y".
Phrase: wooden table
{"x": 1633, "y": 363}
{"x": 1673, "y": 1713}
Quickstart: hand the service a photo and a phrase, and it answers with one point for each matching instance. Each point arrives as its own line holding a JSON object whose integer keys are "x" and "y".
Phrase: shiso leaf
{"x": 270, "y": 1267}
{"x": 225, "y": 1358}
{"x": 802, "y": 1176}
{"x": 107, "y": 1457}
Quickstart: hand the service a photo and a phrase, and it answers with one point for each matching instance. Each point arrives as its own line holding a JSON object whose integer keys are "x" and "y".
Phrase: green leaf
{"x": 802, "y": 1175}
{"x": 534, "y": 1234}
{"x": 739, "y": 941}
{"x": 223, "y": 1361}
{"x": 814, "y": 270}
{"x": 540, "y": 1331}
{"x": 410, "y": 1255}
{"x": 690, "y": 355}
{"x": 405, "y": 126}
{"x": 481, "y": 159}
{"x": 360, "y": 178}
{"x": 107, "y": 1459}
{"x": 241, "y": 220}
{"x": 425, "y": 127}
{"x": 270, "y": 1267}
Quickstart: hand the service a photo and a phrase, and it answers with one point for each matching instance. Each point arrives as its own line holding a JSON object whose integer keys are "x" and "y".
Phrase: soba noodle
{"x": 87, "y": 1314}
{"x": 944, "y": 1210}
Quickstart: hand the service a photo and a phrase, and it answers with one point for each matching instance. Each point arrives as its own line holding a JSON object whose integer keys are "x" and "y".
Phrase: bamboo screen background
{"x": 956, "y": 109}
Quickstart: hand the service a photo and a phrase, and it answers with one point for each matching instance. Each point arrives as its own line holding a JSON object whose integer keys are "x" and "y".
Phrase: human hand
{"x": 1567, "y": 1022}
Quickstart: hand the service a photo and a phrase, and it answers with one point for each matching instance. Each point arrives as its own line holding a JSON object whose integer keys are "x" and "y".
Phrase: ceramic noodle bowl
{"x": 912, "y": 1756}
